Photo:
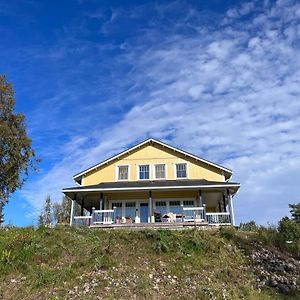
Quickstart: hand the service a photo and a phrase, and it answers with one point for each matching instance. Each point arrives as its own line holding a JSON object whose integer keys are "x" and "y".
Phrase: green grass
{"x": 68, "y": 263}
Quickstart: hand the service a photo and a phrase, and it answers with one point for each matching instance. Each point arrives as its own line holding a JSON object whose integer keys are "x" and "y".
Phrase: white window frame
{"x": 122, "y": 206}
{"x": 117, "y": 173}
{"x": 138, "y": 172}
{"x": 154, "y": 171}
{"x": 187, "y": 170}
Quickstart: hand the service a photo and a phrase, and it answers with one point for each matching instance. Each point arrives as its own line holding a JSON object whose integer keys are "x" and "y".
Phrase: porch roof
{"x": 154, "y": 185}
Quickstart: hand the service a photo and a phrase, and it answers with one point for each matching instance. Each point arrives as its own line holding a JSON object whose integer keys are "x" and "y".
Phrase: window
{"x": 130, "y": 210}
{"x": 118, "y": 209}
{"x": 181, "y": 171}
{"x": 123, "y": 173}
{"x": 144, "y": 172}
{"x": 175, "y": 207}
{"x": 188, "y": 203}
{"x": 161, "y": 207}
{"x": 160, "y": 171}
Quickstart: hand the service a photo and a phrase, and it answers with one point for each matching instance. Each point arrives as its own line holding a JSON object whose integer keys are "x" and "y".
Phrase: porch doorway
{"x": 144, "y": 212}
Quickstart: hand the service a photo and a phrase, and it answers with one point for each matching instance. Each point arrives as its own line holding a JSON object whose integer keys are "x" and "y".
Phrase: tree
{"x": 17, "y": 157}
{"x": 46, "y": 216}
{"x": 48, "y": 211}
{"x": 289, "y": 230}
{"x": 295, "y": 212}
{"x": 41, "y": 220}
{"x": 249, "y": 226}
{"x": 62, "y": 211}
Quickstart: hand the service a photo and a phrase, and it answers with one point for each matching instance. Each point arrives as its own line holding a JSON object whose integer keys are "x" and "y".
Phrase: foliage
{"x": 289, "y": 232}
{"x": 249, "y": 226}
{"x": 55, "y": 213}
{"x": 46, "y": 216}
{"x": 61, "y": 211}
{"x": 16, "y": 154}
{"x": 295, "y": 212}
{"x": 228, "y": 232}
{"x": 6, "y": 257}
{"x": 48, "y": 211}
{"x": 49, "y": 263}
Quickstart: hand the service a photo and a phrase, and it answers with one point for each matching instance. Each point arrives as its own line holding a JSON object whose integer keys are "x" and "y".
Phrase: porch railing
{"x": 103, "y": 216}
{"x": 218, "y": 218}
{"x": 82, "y": 220}
{"x": 193, "y": 214}
{"x": 190, "y": 214}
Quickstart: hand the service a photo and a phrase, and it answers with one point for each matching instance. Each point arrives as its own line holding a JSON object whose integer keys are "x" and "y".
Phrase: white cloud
{"x": 230, "y": 95}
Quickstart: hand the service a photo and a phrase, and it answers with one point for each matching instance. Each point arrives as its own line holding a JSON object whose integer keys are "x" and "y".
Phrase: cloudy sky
{"x": 220, "y": 79}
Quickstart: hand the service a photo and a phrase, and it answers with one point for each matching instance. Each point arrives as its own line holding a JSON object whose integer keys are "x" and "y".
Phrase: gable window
{"x": 181, "y": 171}
{"x": 144, "y": 172}
{"x": 160, "y": 171}
{"x": 123, "y": 173}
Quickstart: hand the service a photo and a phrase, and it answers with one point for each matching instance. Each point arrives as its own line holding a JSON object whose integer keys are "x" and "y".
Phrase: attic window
{"x": 181, "y": 171}
{"x": 123, "y": 172}
{"x": 144, "y": 172}
{"x": 160, "y": 171}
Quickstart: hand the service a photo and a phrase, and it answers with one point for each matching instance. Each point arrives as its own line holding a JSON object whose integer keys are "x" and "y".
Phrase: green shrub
{"x": 249, "y": 226}
{"x": 7, "y": 257}
{"x": 268, "y": 235}
{"x": 104, "y": 262}
{"x": 289, "y": 230}
{"x": 227, "y": 232}
{"x": 289, "y": 235}
{"x": 161, "y": 246}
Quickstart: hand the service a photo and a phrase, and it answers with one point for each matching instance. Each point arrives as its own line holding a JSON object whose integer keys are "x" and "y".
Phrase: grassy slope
{"x": 68, "y": 263}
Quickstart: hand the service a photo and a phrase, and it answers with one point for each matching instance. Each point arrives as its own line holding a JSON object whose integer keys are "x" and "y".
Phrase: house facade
{"x": 156, "y": 184}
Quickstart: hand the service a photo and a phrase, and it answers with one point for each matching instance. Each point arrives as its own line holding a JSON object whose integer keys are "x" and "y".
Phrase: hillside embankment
{"x": 68, "y": 263}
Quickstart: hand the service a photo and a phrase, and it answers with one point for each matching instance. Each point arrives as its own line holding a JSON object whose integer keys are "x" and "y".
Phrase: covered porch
{"x": 153, "y": 204}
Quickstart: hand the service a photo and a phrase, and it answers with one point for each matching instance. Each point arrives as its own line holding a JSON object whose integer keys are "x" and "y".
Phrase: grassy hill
{"x": 68, "y": 263}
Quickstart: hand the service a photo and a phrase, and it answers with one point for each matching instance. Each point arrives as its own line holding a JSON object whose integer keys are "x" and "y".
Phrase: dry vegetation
{"x": 68, "y": 263}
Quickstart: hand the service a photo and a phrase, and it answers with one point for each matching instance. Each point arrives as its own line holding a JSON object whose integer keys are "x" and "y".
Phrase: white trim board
{"x": 151, "y": 188}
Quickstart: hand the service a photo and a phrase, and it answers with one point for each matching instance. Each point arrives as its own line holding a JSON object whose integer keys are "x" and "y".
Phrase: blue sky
{"x": 216, "y": 78}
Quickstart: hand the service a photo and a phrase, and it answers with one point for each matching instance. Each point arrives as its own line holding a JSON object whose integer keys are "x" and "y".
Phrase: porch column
{"x": 82, "y": 206}
{"x": 150, "y": 209}
{"x": 200, "y": 198}
{"x": 72, "y": 210}
{"x": 230, "y": 206}
{"x": 224, "y": 203}
{"x": 101, "y": 206}
{"x": 220, "y": 208}
{"x": 101, "y": 202}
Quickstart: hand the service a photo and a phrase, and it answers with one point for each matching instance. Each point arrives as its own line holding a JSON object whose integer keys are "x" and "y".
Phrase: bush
{"x": 249, "y": 226}
{"x": 268, "y": 235}
{"x": 227, "y": 232}
{"x": 289, "y": 230}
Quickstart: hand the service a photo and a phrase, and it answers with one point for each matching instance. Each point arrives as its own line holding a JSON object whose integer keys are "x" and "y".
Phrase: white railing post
{"x": 230, "y": 204}
{"x": 114, "y": 214}
{"x": 93, "y": 216}
{"x": 72, "y": 212}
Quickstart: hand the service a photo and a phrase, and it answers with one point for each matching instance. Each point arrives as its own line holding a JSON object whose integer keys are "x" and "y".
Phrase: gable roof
{"x": 77, "y": 176}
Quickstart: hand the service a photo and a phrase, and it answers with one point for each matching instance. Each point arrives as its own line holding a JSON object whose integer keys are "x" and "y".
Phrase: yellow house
{"x": 153, "y": 184}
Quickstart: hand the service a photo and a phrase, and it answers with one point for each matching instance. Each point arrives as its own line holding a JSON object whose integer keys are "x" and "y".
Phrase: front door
{"x": 144, "y": 212}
